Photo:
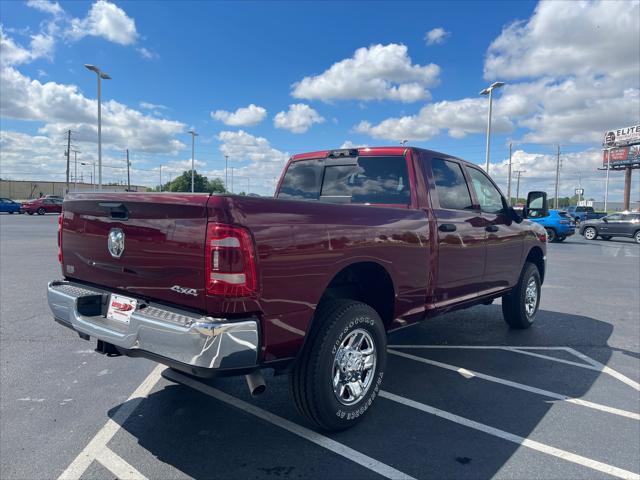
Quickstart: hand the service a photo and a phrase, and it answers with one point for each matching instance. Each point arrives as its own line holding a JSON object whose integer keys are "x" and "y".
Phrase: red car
{"x": 356, "y": 243}
{"x": 42, "y": 206}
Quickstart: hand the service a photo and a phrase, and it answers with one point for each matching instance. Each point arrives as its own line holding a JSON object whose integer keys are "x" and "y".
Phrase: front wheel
{"x": 636, "y": 236}
{"x": 340, "y": 371}
{"x": 519, "y": 307}
{"x": 551, "y": 235}
{"x": 590, "y": 233}
{"x": 10, "y": 212}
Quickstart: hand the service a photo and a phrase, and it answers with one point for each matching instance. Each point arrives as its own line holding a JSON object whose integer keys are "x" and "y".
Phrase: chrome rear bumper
{"x": 166, "y": 333}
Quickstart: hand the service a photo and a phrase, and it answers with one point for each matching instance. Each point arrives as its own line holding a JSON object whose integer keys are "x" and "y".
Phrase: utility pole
{"x": 557, "y": 178}
{"x": 518, "y": 172}
{"x": 160, "y": 177}
{"x": 606, "y": 185}
{"x": 509, "y": 177}
{"x": 226, "y": 171}
{"x": 68, "y": 154}
{"x": 248, "y": 187}
{"x": 128, "y": 174}
{"x": 231, "y": 179}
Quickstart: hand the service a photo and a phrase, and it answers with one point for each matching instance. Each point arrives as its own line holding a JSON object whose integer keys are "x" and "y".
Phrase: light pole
{"x": 101, "y": 75}
{"x": 193, "y": 150}
{"x": 93, "y": 176}
{"x": 226, "y": 172}
{"x": 489, "y": 91}
{"x": 75, "y": 169}
{"x": 160, "y": 177}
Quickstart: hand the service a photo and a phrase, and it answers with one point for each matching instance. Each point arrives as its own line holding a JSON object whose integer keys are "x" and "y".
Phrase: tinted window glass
{"x": 381, "y": 180}
{"x": 565, "y": 215}
{"x": 377, "y": 180}
{"x": 614, "y": 217}
{"x": 302, "y": 181}
{"x": 451, "y": 186}
{"x": 488, "y": 195}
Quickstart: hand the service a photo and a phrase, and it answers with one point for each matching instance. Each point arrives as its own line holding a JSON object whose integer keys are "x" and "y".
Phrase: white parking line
{"x": 314, "y": 437}
{"x": 118, "y": 466}
{"x": 525, "y": 442}
{"x": 524, "y": 350}
{"x": 99, "y": 442}
{"x": 546, "y": 393}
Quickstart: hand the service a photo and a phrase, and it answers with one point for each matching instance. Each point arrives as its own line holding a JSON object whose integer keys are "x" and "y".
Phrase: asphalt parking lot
{"x": 464, "y": 397}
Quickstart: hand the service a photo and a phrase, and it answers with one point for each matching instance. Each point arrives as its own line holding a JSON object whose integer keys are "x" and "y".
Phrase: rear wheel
{"x": 30, "y": 213}
{"x": 636, "y": 236}
{"x": 41, "y": 211}
{"x": 10, "y": 212}
{"x": 551, "y": 235}
{"x": 340, "y": 370}
{"x": 590, "y": 233}
{"x": 519, "y": 307}
{"x": 605, "y": 237}
{"x": 562, "y": 238}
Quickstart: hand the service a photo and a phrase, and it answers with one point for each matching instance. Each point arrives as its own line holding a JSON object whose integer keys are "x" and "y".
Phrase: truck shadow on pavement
{"x": 196, "y": 435}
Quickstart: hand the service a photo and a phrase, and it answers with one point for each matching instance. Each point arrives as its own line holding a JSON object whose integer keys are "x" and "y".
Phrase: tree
{"x": 201, "y": 183}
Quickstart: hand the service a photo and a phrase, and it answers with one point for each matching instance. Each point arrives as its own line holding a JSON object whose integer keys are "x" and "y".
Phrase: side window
{"x": 374, "y": 180}
{"x": 451, "y": 185}
{"x": 614, "y": 217}
{"x": 488, "y": 195}
{"x": 302, "y": 181}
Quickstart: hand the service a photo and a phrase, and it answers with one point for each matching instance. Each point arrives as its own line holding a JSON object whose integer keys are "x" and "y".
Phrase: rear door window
{"x": 451, "y": 186}
{"x": 488, "y": 195}
{"x": 366, "y": 180}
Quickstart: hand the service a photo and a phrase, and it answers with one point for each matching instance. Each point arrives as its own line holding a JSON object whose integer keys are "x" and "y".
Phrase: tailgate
{"x": 163, "y": 237}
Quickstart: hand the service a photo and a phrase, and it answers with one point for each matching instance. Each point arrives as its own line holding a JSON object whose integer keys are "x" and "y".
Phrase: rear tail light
{"x": 542, "y": 237}
{"x": 60, "y": 238}
{"x": 230, "y": 261}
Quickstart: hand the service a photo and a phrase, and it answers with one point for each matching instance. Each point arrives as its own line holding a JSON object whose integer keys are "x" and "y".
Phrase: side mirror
{"x": 536, "y": 206}
{"x": 604, "y": 219}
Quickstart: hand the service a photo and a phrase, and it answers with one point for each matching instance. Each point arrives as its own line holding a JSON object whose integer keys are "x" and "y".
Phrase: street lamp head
{"x": 491, "y": 87}
{"x": 98, "y": 72}
{"x": 104, "y": 76}
{"x": 192, "y": 132}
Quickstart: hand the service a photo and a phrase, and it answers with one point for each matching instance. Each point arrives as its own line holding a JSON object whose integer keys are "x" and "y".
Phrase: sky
{"x": 260, "y": 81}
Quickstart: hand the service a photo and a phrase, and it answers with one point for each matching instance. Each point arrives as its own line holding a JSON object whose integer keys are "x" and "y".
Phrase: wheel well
{"x": 365, "y": 282}
{"x": 536, "y": 257}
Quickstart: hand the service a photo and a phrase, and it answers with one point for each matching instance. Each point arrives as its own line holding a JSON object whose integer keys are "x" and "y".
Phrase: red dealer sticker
{"x": 121, "y": 308}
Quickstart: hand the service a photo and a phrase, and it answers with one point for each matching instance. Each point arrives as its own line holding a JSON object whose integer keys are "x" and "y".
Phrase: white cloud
{"x": 569, "y": 38}
{"x": 243, "y": 117}
{"x": 46, "y": 6}
{"x": 436, "y": 36}
{"x": 11, "y": 53}
{"x": 380, "y": 72}
{"x": 458, "y": 117}
{"x": 62, "y": 107}
{"x": 350, "y": 144}
{"x": 105, "y": 20}
{"x": 298, "y": 119}
{"x": 153, "y": 106}
{"x": 147, "y": 54}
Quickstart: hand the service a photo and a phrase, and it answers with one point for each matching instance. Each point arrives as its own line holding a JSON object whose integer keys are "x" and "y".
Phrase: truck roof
{"x": 366, "y": 151}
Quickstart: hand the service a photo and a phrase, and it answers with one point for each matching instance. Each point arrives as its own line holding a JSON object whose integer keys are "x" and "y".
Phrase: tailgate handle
{"x": 118, "y": 211}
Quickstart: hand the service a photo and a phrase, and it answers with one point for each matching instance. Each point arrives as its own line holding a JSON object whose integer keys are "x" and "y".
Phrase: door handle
{"x": 491, "y": 228}
{"x": 447, "y": 227}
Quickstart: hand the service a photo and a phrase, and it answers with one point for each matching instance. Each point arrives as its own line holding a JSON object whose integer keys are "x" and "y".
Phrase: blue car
{"x": 9, "y": 206}
{"x": 558, "y": 224}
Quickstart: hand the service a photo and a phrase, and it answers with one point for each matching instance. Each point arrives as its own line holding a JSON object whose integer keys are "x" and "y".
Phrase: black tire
{"x": 310, "y": 381}
{"x": 30, "y": 213}
{"x": 10, "y": 212}
{"x": 605, "y": 237}
{"x": 636, "y": 236}
{"x": 515, "y": 304}
{"x": 551, "y": 235}
{"x": 41, "y": 211}
{"x": 562, "y": 239}
{"x": 590, "y": 233}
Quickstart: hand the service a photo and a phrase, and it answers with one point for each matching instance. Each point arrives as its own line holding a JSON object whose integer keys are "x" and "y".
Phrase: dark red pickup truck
{"x": 356, "y": 243}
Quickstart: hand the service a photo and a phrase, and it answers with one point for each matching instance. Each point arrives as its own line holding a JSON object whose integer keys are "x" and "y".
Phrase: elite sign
{"x": 622, "y": 136}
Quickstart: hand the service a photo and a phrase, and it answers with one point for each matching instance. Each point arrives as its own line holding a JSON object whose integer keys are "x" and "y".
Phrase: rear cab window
{"x": 381, "y": 180}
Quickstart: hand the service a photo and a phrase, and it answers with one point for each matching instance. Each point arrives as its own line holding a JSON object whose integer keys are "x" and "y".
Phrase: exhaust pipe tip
{"x": 256, "y": 383}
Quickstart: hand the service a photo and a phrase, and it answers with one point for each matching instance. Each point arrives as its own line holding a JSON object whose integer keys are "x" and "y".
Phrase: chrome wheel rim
{"x": 531, "y": 297}
{"x": 354, "y": 365}
{"x": 590, "y": 233}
